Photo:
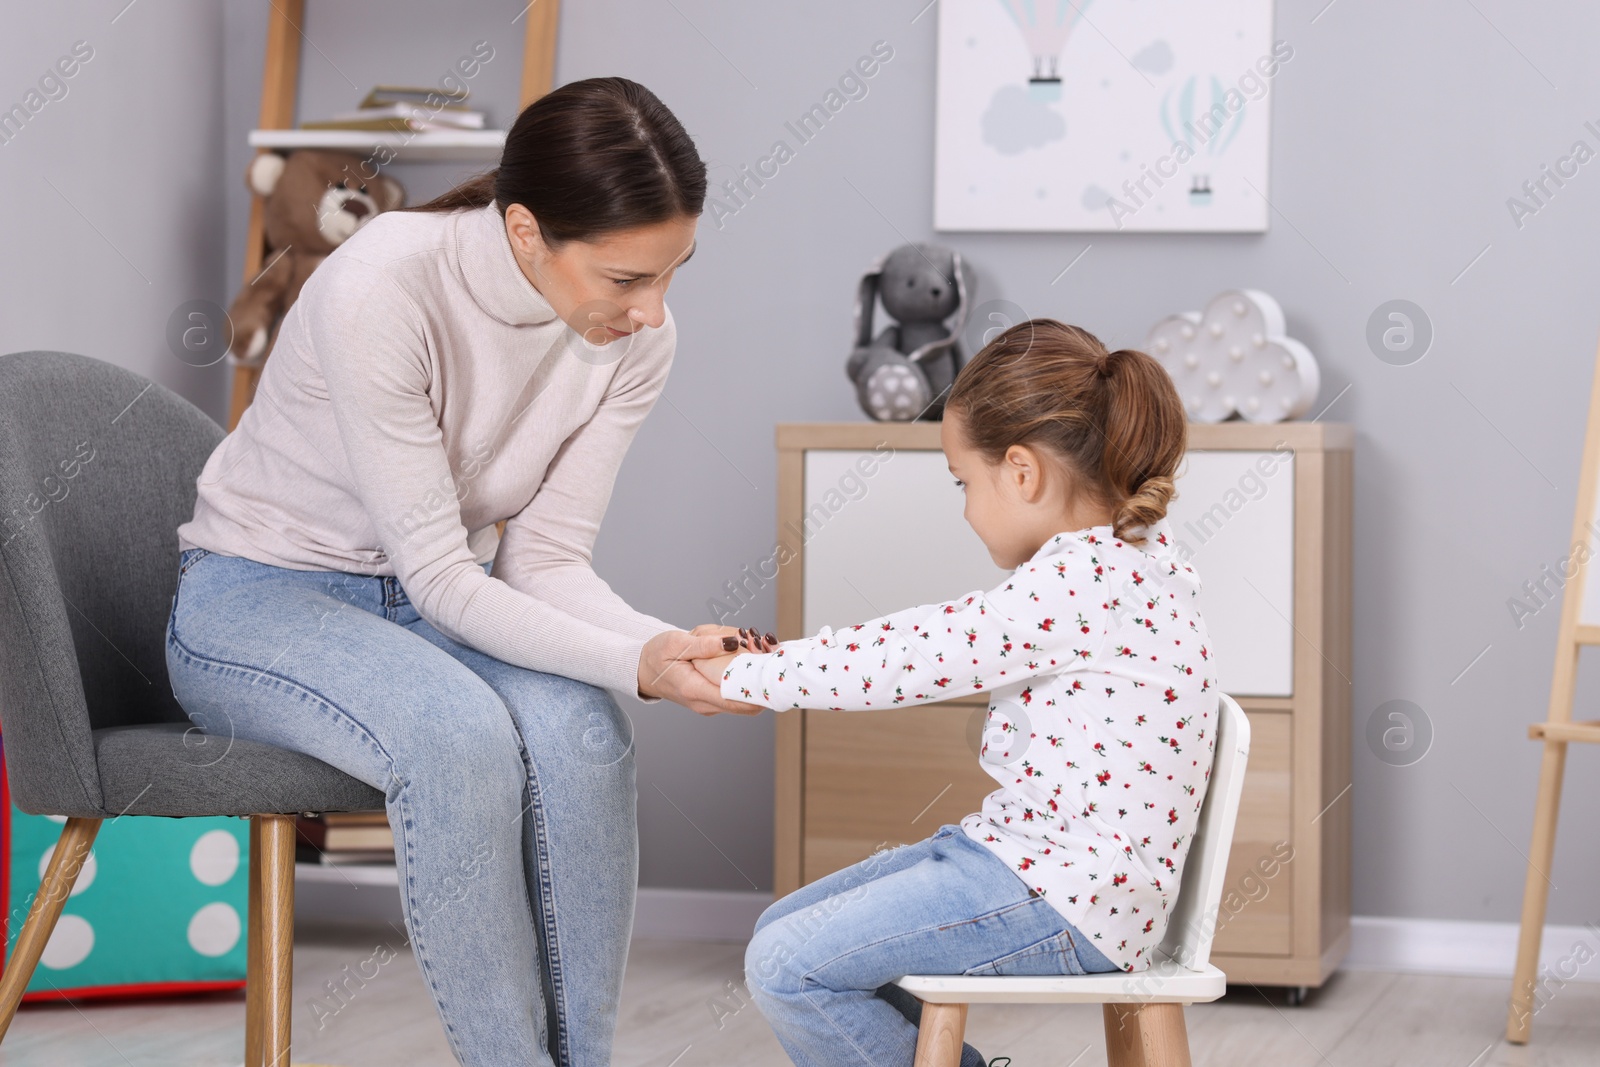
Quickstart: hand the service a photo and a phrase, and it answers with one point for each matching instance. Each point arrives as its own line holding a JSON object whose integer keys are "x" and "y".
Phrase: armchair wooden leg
{"x": 72, "y": 849}
{"x": 1146, "y": 1035}
{"x": 268, "y": 997}
{"x": 254, "y": 1050}
{"x": 940, "y": 1034}
{"x": 1535, "y": 893}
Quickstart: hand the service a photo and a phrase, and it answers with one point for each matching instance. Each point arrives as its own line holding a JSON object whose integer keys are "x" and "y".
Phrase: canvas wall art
{"x": 1105, "y": 115}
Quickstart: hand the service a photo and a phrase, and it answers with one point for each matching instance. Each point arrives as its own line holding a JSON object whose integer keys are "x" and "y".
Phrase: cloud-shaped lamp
{"x": 1235, "y": 356}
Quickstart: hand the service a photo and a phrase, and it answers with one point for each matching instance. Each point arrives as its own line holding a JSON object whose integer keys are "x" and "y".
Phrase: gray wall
{"x": 110, "y": 192}
{"x": 1399, "y": 133}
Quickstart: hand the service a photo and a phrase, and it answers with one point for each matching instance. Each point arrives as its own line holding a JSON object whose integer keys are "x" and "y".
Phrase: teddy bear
{"x": 314, "y": 201}
{"x": 903, "y": 374}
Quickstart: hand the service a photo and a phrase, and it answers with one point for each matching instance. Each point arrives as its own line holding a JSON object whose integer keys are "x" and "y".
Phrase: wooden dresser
{"x": 869, "y": 522}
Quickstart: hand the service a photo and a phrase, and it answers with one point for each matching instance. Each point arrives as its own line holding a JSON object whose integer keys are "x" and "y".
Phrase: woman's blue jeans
{"x": 823, "y": 960}
{"x": 511, "y": 792}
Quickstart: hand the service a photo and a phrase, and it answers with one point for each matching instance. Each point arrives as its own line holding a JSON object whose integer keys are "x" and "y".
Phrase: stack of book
{"x": 337, "y": 837}
{"x": 405, "y": 109}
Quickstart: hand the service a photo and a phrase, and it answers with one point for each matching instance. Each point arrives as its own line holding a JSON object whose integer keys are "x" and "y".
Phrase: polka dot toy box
{"x": 158, "y": 908}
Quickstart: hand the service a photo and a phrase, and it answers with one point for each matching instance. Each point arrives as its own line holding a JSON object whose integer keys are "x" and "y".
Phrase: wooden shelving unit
{"x": 359, "y": 874}
{"x": 423, "y": 147}
{"x": 275, "y": 130}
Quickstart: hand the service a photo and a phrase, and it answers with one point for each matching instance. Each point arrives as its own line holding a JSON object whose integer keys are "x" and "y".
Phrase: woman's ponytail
{"x": 477, "y": 191}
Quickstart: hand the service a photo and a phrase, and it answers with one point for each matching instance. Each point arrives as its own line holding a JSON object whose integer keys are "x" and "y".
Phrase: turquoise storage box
{"x": 159, "y": 907}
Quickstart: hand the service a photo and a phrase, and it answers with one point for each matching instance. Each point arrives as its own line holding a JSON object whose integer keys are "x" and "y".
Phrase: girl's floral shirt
{"x": 1103, "y": 703}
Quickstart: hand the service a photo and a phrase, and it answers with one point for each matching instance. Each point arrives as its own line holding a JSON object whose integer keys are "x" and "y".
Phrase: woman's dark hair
{"x": 1114, "y": 418}
{"x": 593, "y": 156}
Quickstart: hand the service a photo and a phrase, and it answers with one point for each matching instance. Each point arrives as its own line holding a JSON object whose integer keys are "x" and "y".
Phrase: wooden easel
{"x": 1580, "y": 626}
{"x": 280, "y": 87}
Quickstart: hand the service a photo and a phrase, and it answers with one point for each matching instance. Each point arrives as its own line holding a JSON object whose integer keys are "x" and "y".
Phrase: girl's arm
{"x": 1049, "y": 616}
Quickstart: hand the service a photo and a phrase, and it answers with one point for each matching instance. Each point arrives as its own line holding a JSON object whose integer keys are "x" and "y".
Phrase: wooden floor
{"x": 678, "y": 1011}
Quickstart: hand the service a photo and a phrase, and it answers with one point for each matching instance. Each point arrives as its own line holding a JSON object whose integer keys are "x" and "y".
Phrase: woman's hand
{"x": 666, "y": 670}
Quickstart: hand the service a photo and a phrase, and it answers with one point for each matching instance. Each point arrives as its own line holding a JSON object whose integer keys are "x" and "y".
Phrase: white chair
{"x": 1143, "y": 1009}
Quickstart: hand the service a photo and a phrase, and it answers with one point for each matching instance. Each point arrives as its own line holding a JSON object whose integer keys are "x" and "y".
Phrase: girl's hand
{"x": 748, "y": 641}
{"x": 713, "y": 668}
{"x": 666, "y": 670}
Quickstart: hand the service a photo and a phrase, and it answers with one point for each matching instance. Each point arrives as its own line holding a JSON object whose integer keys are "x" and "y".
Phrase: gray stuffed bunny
{"x": 904, "y": 372}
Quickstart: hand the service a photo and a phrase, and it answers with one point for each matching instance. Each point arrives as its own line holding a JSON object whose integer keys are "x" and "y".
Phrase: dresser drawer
{"x": 889, "y": 777}
{"x": 899, "y": 543}
{"x": 896, "y": 538}
{"x": 857, "y": 801}
{"x": 1256, "y": 913}
{"x": 1238, "y": 525}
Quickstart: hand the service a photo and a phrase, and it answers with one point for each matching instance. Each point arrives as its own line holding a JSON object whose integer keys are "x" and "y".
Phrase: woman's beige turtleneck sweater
{"x": 420, "y": 390}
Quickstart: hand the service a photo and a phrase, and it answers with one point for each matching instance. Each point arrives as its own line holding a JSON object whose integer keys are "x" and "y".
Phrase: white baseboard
{"x": 698, "y": 914}
{"x": 1414, "y": 946}
{"x": 369, "y": 896}
{"x": 1468, "y": 949}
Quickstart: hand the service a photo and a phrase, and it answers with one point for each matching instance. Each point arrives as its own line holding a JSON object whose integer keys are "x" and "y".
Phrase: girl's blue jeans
{"x": 823, "y": 960}
{"x": 511, "y": 792}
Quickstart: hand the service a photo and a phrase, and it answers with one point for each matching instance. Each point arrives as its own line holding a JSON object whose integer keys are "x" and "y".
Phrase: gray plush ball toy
{"x": 904, "y": 372}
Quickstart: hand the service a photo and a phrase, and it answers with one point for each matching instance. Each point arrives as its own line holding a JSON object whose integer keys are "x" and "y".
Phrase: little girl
{"x": 1103, "y": 702}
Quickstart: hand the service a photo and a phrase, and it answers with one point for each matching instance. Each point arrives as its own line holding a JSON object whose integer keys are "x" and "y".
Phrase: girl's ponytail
{"x": 1115, "y": 418}
{"x": 1146, "y": 435}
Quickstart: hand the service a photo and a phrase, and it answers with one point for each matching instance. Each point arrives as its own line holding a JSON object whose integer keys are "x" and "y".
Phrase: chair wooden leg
{"x": 1146, "y": 1035}
{"x": 940, "y": 1035}
{"x": 1535, "y": 890}
{"x": 72, "y": 849}
{"x": 254, "y": 1051}
{"x": 274, "y": 941}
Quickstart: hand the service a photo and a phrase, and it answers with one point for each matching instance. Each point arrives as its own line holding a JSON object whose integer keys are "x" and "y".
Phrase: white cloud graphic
{"x": 1015, "y": 122}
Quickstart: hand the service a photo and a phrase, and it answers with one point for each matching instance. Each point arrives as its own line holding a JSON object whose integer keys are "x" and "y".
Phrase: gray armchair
{"x": 97, "y": 470}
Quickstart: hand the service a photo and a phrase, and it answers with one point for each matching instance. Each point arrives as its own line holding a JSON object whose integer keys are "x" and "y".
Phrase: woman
{"x": 486, "y": 356}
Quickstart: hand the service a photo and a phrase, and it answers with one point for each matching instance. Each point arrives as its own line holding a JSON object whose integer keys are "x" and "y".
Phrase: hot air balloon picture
{"x": 1085, "y": 116}
{"x": 1195, "y": 113}
{"x": 1045, "y": 25}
